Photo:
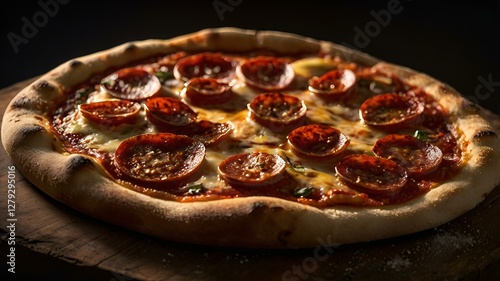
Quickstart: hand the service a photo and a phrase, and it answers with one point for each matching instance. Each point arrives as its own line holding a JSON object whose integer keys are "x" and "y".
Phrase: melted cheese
{"x": 248, "y": 136}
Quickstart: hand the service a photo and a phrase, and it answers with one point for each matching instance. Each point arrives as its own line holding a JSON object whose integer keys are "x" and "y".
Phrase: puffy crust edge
{"x": 259, "y": 222}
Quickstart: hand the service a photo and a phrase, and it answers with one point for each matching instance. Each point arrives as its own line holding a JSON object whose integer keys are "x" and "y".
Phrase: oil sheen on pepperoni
{"x": 207, "y": 91}
{"x": 390, "y": 111}
{"x": 170, "y": 114}
{"x": 208, "y": 65}
{"x": 278, "y": 112}
{"x": 252, "y": 169}
{"x": 210, "y": 133}
{"x": 266, "y": 73}
{"x": 317, "y": 140}
{"x": 332, "y": 84}
{"x": 159, "y": 158}
{"x": 111, "y": 112}
{"x": 372, "y": 174}
{"x": 418, "y": 157}
{"x": 131, "y": 84}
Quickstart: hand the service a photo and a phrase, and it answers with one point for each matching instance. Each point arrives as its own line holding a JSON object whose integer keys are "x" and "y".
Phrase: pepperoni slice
{"x": 266, "y": 73}
{"x": 390, "y": 111}
{"x": 317, "y": 140}
{"x": 278, "y": 112}
{"x": 372, "y": 174}
{"x": 418, "y": 157}
{"x": 131, "y": 84}
{"x": 210, "y": 133}
{"x": 159, "y": 158}
{"x": 207, "y": 91}
{"x": 252, "y": 169}
{"x": 111, "y": 112}
{"x": 208, "y": 65}
{"x": 333, "y": 84}
{"x": 170, "y": 114}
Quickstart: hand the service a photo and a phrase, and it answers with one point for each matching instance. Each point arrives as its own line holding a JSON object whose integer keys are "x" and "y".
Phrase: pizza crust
{"x": 257, "y": 222}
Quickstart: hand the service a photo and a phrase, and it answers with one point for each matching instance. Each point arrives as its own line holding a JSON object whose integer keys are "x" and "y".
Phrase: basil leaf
{"x": 164, "y": 76}
{"x": 303, "y": 191}
{"x": 295, "y": 166}
{"x": 196, "y": 189}
{"x": 421, "y": 135}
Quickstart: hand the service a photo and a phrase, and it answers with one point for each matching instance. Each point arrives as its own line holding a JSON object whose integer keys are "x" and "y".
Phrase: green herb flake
{"x": 196, "y": 189}
{"x": 295, "y": 166}
{"x": 421, "y": 135}
{"x": 303, "y": 191}
{"x": 164, "y": 76}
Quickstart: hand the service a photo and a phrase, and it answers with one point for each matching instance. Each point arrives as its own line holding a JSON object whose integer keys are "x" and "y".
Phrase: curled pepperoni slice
{"x": 252, "y": 169}
{"x": 418, "y": 157}
{"x": 317, "y": 140}
{"x": 372, "y": 174}
{"x": 159, "y": 158}
{"x": 390, "y": 111}
{"x": 278, "y": 112}
{"x": 208, "y": 65}
{"x": 210, "y": 133}
{"x": 131, "y": 84}
{"x": 170, "y": 114}
{"x": 207, "y": 91}
{"x": 111, "y": 112}
{"x": 266, "y": 73}
{"x": 333, "y": 84}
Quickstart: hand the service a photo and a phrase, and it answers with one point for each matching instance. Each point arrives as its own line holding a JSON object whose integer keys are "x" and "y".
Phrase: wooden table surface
{"x": 68, "y": 242}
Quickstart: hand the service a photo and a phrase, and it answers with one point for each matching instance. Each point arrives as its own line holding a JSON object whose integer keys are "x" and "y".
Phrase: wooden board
{"x": 467, "y": 248}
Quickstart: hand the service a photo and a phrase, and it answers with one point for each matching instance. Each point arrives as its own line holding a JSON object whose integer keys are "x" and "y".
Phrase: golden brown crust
{"x": 265, "y": 222}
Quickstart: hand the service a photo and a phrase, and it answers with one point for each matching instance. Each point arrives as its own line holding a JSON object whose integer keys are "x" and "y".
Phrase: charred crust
{"x": 213, "y": 35}
{"x": 283, "y": 237}
{"x": 258, "y": 206}
{"x": 20, "y": 102}
{"x": 26, "y": 131}
{"x": 78, "y": 162}
{"x": 484, "y": 133}
{"x": 43, "y": 85}
{"x": 470, "y": 106}
{"x": 131, "y": 47}
{"x": 75, "y": 63}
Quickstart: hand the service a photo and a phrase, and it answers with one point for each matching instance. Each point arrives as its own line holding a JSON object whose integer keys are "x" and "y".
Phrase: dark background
{"x": 457, "y": 42}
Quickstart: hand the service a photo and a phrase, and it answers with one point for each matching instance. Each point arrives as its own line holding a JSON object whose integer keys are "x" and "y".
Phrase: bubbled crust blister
{"x": 80, "y": 182}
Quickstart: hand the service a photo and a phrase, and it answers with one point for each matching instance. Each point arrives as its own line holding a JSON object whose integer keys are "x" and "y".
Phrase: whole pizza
{"x": 256, "y": 139}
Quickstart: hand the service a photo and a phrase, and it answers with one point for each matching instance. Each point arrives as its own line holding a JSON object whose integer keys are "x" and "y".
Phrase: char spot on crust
{"x": 77, "y": 162}
{"x": 43, "y": 85}
{"x": 131, "y": 47}
{"x": 484, "y": 133}
{"x": 21, "y": 102}
{"x": 470, "y": 106}
{"x": 283, "y": 237}
{"x": 213, "y": 35}
{"x": 75, "y": 63}
{"x": 258, "y": 206}
{"x": 26, "y": 131}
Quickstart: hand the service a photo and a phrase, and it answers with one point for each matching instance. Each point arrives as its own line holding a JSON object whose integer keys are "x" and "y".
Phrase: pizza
{"x": 258, "y": 139}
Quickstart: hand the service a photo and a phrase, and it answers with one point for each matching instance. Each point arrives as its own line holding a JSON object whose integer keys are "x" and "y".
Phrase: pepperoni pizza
{"x": 252, "y": 139}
